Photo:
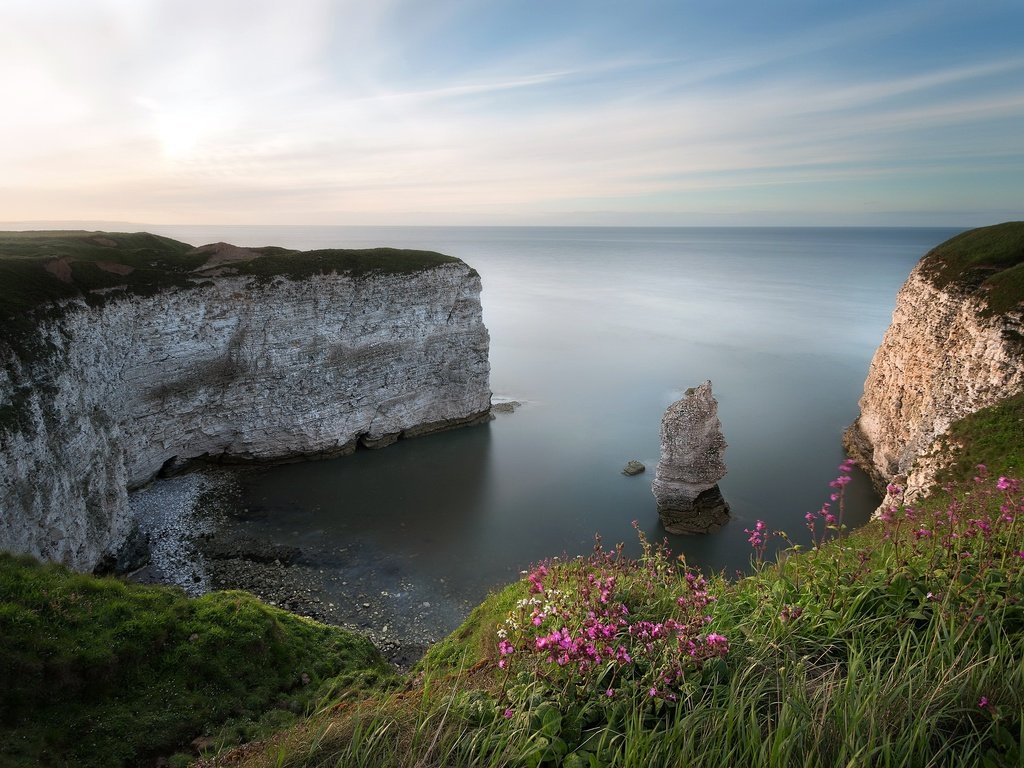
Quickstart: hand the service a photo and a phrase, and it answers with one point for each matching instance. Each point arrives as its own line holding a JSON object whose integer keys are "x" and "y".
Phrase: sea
{"x": 596, "y": 330}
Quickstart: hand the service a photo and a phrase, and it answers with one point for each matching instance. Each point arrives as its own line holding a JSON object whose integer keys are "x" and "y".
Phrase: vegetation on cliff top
{"x": 39, "y": 271}
{"x": 94, "y": 672}
{"x": 46, "y": 266}
{"x": 987, "y": 262}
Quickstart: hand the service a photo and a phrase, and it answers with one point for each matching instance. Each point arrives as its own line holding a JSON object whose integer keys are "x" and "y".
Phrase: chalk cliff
{"x": 955, "y": 345}
{"x": 692, "y": 462}
{"x": 137, "y": 353}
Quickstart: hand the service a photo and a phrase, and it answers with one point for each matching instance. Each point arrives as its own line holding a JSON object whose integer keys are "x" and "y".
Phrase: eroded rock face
{"x": 941, "y": 359}
{"x": 235, "y": 368}
{"x": 692, "y": 462}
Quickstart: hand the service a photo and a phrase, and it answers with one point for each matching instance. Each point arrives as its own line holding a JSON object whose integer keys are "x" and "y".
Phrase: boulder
{"x": 633, "y": 467}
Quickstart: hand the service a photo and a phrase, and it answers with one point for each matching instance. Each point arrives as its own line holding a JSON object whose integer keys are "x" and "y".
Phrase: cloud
{"x": 235, "y": 111}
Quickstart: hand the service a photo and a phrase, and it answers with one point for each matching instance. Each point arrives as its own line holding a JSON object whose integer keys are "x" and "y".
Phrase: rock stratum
{"x": 692, "y": 462}
{"x": 125, "y": 355}
{"x": 955, "y": 346}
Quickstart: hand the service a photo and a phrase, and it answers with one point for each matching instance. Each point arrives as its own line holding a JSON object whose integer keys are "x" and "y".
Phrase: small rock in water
{"x": 633, "y": 467}
{"x": 504, "y": 406}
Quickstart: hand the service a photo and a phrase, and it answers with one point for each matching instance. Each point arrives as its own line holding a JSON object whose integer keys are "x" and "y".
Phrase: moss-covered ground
{"x": 96, "y": 672}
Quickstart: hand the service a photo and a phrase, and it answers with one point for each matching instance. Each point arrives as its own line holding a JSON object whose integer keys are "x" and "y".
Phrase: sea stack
{"x": 692, "y": 462}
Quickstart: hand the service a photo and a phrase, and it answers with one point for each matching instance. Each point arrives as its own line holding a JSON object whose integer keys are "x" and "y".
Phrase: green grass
{"x": 987, "y": 262}
{"x": 95, "y": 672}
{"x": 993, "y": 436}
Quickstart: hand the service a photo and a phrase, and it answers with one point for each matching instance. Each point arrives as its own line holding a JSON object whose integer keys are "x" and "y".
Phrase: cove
{"x": 596, "y": 330}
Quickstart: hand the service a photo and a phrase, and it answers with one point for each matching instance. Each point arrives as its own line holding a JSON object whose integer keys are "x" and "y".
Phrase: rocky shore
{"x": 198, "y": 541}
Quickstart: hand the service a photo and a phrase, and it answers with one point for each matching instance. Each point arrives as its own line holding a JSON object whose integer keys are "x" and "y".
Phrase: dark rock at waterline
{"x": 633, "y": 467}
{"x": 707, "y": 513}
{"x": 692, "y": 462}
{"x": 221, "y": 546}
{"x": 131, "y": 556}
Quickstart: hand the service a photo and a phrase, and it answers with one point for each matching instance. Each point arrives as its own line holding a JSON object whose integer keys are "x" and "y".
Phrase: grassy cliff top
{"x": 37, "y": 268}
{"x": 987, "y": 262}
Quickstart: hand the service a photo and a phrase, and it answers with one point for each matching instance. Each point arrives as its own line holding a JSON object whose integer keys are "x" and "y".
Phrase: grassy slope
{"x": 992, "y": 436}
{"x": 94, "y": 672}
{"x": 988, "y": 262}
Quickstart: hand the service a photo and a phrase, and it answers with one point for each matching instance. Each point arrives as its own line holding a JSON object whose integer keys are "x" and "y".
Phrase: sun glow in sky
{"x": 512, "y": 112}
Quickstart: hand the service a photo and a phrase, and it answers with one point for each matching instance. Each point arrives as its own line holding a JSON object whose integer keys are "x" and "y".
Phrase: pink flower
{"x": 652, "y": 692}
{"x": 983, "y": 702}
{"x": 609, "y": 693}
{"x": 507, "y": 713}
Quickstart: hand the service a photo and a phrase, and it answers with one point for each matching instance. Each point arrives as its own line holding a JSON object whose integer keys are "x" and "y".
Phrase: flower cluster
{"x": 831, "y": 512}
{"x": 598, "y": 626}
{"x": 758, "y": 537}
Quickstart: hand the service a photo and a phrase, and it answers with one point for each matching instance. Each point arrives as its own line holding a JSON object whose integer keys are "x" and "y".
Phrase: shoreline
{"x": 194, "y": 528}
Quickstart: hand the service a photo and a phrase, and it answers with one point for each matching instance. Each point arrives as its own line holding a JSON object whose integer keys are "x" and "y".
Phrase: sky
{"x": 487, "y": 112}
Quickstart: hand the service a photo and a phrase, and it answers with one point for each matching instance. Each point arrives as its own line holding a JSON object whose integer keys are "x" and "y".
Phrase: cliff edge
{"x": 122, "y": 354}
{"x": 955, "y": 346}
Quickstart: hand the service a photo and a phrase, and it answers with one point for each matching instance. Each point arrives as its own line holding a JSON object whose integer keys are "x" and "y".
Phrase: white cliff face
{"x": 236, "y": 368}
{"x": 692, "y": 462}
{"x": 941, "y": 359}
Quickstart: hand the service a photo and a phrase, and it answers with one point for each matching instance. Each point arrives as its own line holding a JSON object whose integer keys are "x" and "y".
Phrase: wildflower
{"x": 758, "y": 537}
{"x": 790, "y": 612}
{"x": 652, "y": 692}
{"x": 983, "y": 702}
{"x": 717, "y": 643}
{"x": 1006, "y": 484}
{"x": 610, "y": 693}
{"x": 505, "y": 647}
{"x": 507, "y": 713}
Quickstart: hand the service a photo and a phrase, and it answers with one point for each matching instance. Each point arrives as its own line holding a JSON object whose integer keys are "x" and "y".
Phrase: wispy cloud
{"x": 261, "y": 111}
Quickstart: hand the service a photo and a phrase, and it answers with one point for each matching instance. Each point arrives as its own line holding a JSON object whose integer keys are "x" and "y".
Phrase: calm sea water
{"x": 597, "y": 330}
